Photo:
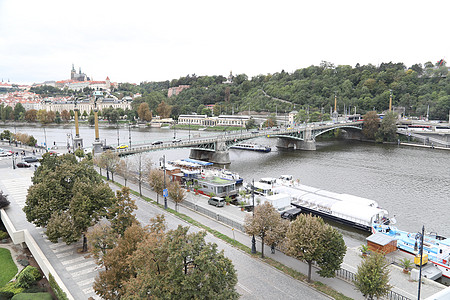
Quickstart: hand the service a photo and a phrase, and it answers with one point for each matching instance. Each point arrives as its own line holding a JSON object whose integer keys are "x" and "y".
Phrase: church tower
{"x": 72, "y": 73}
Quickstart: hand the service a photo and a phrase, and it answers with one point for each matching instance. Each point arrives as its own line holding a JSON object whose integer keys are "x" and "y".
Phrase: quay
{"x": 77, "y": 271}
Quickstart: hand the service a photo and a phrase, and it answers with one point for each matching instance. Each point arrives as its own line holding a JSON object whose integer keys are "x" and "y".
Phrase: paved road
{"x": 256, "y": 280}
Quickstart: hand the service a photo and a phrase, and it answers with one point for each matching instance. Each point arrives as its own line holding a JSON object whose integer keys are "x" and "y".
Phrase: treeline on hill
{"x": 366, "y": 87}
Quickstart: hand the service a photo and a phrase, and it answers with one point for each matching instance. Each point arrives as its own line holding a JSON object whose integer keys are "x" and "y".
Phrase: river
{"x": 411, "y": 183}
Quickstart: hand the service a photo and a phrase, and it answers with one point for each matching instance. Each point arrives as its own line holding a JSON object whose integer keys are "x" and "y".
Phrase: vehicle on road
{"x": 30, "y": 159}
{"x": 176, "y": 140}
{"x": 122, "y": 146}
{"x": 87, "y": 150}
{"x": 291, "y": 214}
{"x": 107, "y": 147}
{"x": 23, "y": 164}
{"x": 216, "y": 201}
{"x": 157, "y": 142}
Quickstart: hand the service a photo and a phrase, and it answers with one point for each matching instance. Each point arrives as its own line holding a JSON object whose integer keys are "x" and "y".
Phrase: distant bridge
{"x": 215, "y": 148}
{"x": 437, "y": 138}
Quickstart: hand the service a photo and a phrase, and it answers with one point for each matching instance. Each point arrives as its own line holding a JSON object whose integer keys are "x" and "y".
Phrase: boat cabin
{"x": 217, "y": 186}
{"x": 381, "y": 243}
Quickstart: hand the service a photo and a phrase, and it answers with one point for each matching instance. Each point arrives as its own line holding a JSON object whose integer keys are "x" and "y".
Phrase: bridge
{"x": 436, "y": 138}
{"x": 215, "y": 148}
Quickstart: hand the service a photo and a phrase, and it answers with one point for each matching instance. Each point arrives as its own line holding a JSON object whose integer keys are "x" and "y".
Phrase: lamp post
{"x": 189, "y": 130}
{"x": 13, "y": 160}
{"x": 421, "y": 255}
{"x": 253, "y": 213}
{"x": 118, "y": 139}
{"x": 129, "y": 134}
{"x": 164, "y": 190}
{"x": 45, "y": 135}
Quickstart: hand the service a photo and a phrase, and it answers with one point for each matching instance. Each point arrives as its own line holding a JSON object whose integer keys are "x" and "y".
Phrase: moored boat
{"x": 436, "y": 247}
{"x": 251, "y": 147}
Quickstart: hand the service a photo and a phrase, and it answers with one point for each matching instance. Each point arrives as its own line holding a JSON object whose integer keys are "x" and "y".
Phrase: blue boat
{"x": 437, "y": 247}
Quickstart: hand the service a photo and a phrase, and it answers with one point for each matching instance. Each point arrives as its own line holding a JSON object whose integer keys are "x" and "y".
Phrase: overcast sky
{"x": 135, "y": 41}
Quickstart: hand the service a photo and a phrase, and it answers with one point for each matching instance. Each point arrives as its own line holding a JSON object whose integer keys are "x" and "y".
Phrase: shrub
{"x": 3, "y": 235}
{"x": 3, "y": 200}
{"x": 10, "y": 290}
{"x": 27, "y": 277}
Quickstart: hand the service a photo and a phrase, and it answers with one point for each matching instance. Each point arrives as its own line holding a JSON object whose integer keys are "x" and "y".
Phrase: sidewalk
{"x": 400, "y": 281}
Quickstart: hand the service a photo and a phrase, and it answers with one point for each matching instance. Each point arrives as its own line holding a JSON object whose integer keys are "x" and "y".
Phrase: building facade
{"x": 222, "y": 120}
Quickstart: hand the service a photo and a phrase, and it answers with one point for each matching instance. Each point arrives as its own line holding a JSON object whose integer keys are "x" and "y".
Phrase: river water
{"x": 411, "y": 183}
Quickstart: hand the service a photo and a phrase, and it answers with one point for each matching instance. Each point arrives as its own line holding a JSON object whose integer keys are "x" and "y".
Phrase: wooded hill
{"x": 366, "y": 87}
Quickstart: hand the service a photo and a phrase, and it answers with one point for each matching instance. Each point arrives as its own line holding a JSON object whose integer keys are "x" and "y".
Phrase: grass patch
{"x": 289, "y": 271}
{"x": 32, "y": 296}
{"x": 9, "y": 268}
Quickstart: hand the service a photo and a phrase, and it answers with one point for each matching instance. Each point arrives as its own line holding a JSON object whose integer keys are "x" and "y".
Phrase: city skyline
{"x": 135, "y": 42}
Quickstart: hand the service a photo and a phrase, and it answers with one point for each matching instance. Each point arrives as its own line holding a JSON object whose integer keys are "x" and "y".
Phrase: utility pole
{"x": 421, "y": 255}
{"x": 253, "y": 214}
{"x": 165, "y": 190}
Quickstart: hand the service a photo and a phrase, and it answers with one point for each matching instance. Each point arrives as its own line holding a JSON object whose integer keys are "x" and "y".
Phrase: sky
{"x": 136, "y": 41}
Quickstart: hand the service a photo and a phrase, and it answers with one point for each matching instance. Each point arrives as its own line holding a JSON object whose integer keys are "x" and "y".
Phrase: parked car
{"x": 123, "y": 146}
{"x": 30, "y": 159}
{"x": 157, "y": 142}
{"x": 291, "y": 214}
{"x": 216, "y": 201}
{"x": 23, "y": 164}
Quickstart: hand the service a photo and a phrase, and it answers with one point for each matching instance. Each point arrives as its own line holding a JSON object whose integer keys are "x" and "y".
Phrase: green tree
{"x": 4, "y": 202}
{"x": 310, "y": 239}
{"x": 371, "y": 124}
{"x": 120, "y": 214}
{"x": 266, "y": 222}
{"x": 91, "y": 120}
{"x": 176, "y": 193}
{"x": 372, "y": 277}
{"x": 156, "y": 182}
{"x": 301, "y": 116}
{"x": 271, "y": 121}
{"x": 388, "y": 127}
{"x": 110, "y": 160}
{"x": 181, "y": 265}
{"x": 67, "y": 197}
{"x": 19, "y": 112}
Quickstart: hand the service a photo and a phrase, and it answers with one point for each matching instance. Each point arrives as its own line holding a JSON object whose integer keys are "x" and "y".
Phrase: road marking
{"x": 71, "y": 261}
{"x": 61, "y": 255}
{"x": 82, "y": 272}
{"x": 244, "y": 288}
{"x": 62, "y": 249}
{"x": 82, "y": 265}
{"x": 86, "y": 282}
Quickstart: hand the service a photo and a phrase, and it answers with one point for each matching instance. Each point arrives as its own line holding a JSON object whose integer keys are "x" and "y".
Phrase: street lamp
{"x": 13, "y": 161}
{"x": 189, "y": 130}
{"x": 129, "y": 134}
{"x": 253, "y": 213}
{"x": 118, "y": 139}
{"x": 165, "y": 193}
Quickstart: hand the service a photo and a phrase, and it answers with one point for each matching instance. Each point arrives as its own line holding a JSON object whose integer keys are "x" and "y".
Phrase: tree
{"x": 388, "y": 127}
{"x": 123, "y": 169}
{"x": 31, "y": 115}
{"x": 67, "y": 197}
{"x": 371, "y": 124}
{"x": 4, "y": 202}
{"x": 372, "y": 277}
{"x": 164, "y": 110}
{"x": 271, "y": 121}
{"x": 144, "y": 112}
{"x": 266, "y": 222}
{"x": 251, "y": 124}
{"x": 91, "y": 120}
{"x": 110, "y": 161}
{"x": 156, "y": 181}
{"x": 310, "y": 239}
{"x": 176, "y": 193}
{"x": 19, "y": 111}
{"x": 174, "y": 264}
{"x": 101, "y": 239}
{"x": 120, "y": 214}
{"x": 65, "y": 116}
{"x": 301, "y": 116}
